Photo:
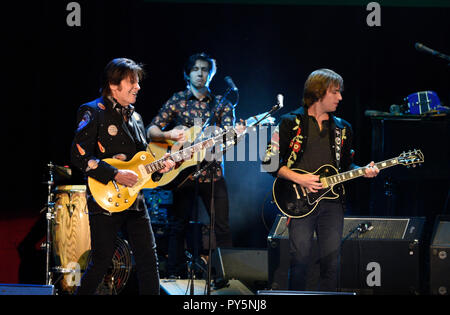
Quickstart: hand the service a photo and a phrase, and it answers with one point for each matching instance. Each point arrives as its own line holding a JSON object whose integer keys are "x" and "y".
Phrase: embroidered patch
{"x": 102, "y": 149}
{"x": 80, "y": 149}
{"x": 295, "y": 144}
{"x": 92, "y": 165}
{"x": 101, "y": 106}
{"x": 112, "y": 130}
{"x": 84, "y": 121}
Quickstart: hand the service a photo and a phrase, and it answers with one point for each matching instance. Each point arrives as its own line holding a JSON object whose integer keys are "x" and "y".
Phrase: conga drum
{"x": 71, "y": 236}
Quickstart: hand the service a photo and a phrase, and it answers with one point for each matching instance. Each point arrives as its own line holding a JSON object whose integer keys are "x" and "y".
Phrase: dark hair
{"x": 117, "y": 70}
{"x": 317, "y": 84}
{"x": 190, "y": 63}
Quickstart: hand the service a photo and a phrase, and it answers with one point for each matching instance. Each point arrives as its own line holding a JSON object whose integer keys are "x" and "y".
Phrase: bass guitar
{"x": 295, "y": 201}
{"x": 114, "y": 197}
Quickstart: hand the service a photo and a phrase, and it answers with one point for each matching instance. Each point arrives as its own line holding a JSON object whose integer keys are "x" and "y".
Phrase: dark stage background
{"x": 266, "y": 48}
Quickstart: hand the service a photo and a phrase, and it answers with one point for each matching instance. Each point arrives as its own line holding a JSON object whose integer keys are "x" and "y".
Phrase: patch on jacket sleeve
{"x": 92, "y": 165}
{"x": 80, "y": 149}
{"x": 84, "y": 121}
{"x": 102, "y": 149}
{"x": 113, "y": 130}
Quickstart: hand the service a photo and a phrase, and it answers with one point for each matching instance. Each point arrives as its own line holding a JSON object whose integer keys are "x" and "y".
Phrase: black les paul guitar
{"x": 295, "y": 201}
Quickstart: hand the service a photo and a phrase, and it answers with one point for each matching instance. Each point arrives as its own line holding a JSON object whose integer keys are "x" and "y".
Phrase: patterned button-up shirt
{"x": 183, "y": 109}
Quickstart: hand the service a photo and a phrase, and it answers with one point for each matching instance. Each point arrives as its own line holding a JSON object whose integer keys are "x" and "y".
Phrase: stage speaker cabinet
{"x": 440, "y": 257}
{"x": 248, "y": 265}
{"x": 26, "y": 289}
{"x": 384, "y": 260}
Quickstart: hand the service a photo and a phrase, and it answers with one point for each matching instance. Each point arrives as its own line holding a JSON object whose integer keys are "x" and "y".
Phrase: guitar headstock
{"x": 411, "y": 158}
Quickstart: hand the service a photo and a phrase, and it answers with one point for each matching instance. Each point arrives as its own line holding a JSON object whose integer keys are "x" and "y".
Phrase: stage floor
{"x": 183, "y": 287}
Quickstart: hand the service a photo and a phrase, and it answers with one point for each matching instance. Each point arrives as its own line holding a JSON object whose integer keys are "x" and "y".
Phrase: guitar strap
{"x": 339, "y": 137}
{"x": 338, "y": 143}
{"x": 296, "y": 143}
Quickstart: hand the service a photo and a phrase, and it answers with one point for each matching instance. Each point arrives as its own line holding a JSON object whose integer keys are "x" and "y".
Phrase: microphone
{"x": 280, "y": 99}
{"x": 278, "y": 106}
{"x": 231, "y": 83}
{"x": 423, "y": 48}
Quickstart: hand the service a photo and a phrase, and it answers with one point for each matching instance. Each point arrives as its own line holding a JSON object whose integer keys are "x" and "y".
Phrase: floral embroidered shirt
{"x": 184, "y": 109}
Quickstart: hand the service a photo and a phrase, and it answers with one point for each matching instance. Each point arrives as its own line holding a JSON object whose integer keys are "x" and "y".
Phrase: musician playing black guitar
{"x": 307, "y": 139}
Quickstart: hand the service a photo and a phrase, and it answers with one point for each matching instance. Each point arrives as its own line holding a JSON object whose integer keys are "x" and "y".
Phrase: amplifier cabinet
{"x": 440, "y": 257}
{"x": 387, "y": 259}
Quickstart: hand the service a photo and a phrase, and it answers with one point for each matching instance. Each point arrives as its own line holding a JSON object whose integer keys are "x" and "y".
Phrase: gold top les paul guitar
{"x": 114, "y": 197}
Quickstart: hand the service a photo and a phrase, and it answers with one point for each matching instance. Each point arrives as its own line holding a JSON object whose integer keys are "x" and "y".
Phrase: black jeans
{"x": 104, "y": 230}
{"x": 327, "y": 221}
{"x": 181, "y": 214}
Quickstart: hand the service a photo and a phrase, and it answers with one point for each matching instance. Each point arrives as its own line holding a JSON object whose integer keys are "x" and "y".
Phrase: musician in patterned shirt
{"x": 184, "y": 110}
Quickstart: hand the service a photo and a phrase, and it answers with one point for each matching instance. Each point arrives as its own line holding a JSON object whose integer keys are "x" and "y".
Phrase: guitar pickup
{"x": 324, "y": 182}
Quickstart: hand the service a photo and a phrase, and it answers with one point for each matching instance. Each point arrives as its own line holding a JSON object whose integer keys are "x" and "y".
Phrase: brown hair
{"x": 190, "y": 63}
{"x": 317, "y": 84}
{"x": 117, "y": 70}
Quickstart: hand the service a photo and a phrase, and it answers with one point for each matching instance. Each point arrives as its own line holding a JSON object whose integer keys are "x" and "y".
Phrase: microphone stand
{"x": 213, "y": 168}
{"x": 360, "y": 229}
{"x": 212, "y": 165}
{"x": 194, "y": 221}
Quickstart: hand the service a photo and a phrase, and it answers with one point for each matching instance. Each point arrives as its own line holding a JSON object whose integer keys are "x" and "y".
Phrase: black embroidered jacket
{"x": 288, "y": 142}
{"x": 101, "y": 133}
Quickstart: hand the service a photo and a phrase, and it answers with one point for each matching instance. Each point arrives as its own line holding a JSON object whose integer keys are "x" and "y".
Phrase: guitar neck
{"x": 349, "y": 175}
{"x": 186, "y": 153}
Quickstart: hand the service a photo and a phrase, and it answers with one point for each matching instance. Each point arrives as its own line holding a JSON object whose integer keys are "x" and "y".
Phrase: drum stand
{"x": 49, "y": 216}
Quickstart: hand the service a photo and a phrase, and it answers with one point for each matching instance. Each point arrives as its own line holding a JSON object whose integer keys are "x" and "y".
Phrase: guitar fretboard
{"x": 342, "y": 177}
{"x": 187, "y": 153}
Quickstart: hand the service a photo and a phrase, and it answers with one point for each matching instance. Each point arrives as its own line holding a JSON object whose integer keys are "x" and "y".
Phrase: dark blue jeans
{"x": 104, "y": 230}
{"x": 181, "y": 214}
{"x": 327, "y": 221}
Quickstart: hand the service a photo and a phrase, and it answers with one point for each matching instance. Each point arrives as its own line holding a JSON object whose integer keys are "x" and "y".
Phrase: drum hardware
{"x": 49, "y": 216}
{"x": 63, "y": 270}
{"x": 65, "y": 172}
{"x": 68, "y": 239}
{"x": 70, "y": 207}
{"x": 70, "y": 235}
